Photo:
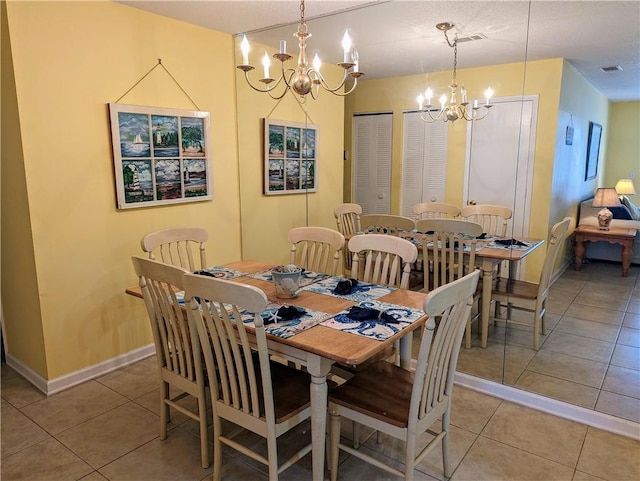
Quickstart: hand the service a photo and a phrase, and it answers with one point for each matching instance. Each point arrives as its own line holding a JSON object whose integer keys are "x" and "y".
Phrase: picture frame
{"x": 593, "y": 150}
{"x": 161, "y": 156}
{"x": 290, "y": 157}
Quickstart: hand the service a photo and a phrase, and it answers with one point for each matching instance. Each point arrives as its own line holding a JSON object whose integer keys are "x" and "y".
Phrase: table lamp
{"x": 625, "y": 187}
{"x": 605, "y": 197}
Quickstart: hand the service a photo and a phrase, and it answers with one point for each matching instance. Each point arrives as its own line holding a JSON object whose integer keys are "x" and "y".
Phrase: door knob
{"x": 471, "y": 202}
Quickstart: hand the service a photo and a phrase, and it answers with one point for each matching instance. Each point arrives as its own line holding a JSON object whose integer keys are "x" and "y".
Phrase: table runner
{"x": 374, "y": 328}
{"x": 362, "y": 292}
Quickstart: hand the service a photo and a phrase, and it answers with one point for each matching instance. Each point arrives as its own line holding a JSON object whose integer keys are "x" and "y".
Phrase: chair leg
{"x": 356, "y": 435}
{"x": 204, "y": 438}
{"x": 164, "y": 410}
{"x": 409, "y": 457}
{"x": 217, "y": 448}
{"x": 272, "y": 456}
{"x": 445, "y": 445}
{"x": 334, "y": 440}
{"x": 467, "y": 334}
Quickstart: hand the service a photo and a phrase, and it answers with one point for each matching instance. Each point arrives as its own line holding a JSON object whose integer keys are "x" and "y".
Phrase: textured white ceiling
{"x": 397, "y": 38}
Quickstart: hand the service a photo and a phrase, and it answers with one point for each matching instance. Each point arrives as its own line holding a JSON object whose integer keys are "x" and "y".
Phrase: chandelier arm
{"x": 267, "y": 89}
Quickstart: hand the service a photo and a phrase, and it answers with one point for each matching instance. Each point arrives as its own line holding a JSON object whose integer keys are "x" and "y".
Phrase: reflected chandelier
{"x": 450, "y": 109}
{"x": 303, "y": 79}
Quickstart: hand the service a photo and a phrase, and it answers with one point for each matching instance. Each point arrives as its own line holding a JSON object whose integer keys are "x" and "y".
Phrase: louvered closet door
{"x": 372, "y": 164}
{"x": 424, "y": 161}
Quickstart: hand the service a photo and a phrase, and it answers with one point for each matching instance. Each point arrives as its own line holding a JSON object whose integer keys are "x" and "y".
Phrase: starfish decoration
{"x": 272, "y": 319}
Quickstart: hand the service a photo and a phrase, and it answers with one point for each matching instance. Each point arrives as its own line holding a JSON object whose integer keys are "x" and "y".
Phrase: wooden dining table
{"x": 319, "y": 347}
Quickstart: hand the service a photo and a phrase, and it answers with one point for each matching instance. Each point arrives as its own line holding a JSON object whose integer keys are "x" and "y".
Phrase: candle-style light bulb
{"x": 428, "y": 94}
{"x": 488, "y": 93}
{"x": 355, "y": 60}
{"x": 244, "y": 46}
{"x": 346, "y": 45}
{"x": 283, "y": 46}
{"x": 266, "y": 62}
{"x": 316, "y": 63}
{"x": 420, "y": 100}
{"x": 463, "y": 93}
{"x": 443, "y": 101}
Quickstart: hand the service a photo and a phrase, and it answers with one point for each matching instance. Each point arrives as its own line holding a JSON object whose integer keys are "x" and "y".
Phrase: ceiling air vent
{"x": 471, "y": 37}
{"x": 614, "y": 68}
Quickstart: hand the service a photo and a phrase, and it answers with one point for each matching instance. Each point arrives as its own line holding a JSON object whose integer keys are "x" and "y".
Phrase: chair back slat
{"x": 177, "y": 246}
{"x": 316, "y": 248}
{"x": 439, "y": 348}
{"x": 492, "y": 218}
{"x": 382, "y": 259}
{"x": 215, "y": 311}
{"x": 172, "y": 337}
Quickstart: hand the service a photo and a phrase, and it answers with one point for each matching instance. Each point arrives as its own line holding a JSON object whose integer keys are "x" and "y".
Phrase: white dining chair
{"x": 177, "y": 347}
{"x": 386, "y": 224}
{"x": 405, "y": 404}
{"x": 531, "y": 297}
{"x": 492, "y": 218}
{"x": 316, "y": 249}
{"x": 247, "y": 387}
{"x": 178, "y": 246}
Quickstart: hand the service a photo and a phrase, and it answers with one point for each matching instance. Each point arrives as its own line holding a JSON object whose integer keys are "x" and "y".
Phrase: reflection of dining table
{"x": 489, "y": 254}
{"x": 320, "y": 346}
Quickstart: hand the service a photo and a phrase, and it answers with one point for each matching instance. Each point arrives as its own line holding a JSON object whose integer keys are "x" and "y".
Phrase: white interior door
{"x": 372, "y": 162}
{"x": 424, "y": 161}
{"x": 499, "y": 159}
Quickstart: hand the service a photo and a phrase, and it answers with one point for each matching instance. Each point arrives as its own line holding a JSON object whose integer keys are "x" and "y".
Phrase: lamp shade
{"x": 625, "y": 187}
{"x": 606, "y": 197}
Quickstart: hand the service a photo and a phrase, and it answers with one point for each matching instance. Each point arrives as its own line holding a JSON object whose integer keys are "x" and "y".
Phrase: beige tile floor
{"x": 107, "y": 428}
{"x": 590, "y": 355}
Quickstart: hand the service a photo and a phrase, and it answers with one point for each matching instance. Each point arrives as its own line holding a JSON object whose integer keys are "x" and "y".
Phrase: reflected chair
{"x": 530, "y": 296}
{"x": 247, "y": 388}
{"x": 386, "y": 224}
{"x": 316, "y": 248}
{"x": 492, "y": 218}
{"x": 438, "y": 210}
{"x": 348, "y": 223}
{"x": 444, "y": 260}
{"x": 405, "y": 404}
{"x": 178, "y": 246}
{"x": 382, "y": 259}
{"x": 177, "y": 347}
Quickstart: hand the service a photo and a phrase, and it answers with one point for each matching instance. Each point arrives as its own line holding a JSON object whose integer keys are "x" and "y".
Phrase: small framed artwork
{"x": 290, "y": 157}
{"x": 593, "y": 150}
{"x": 161, "y": 156}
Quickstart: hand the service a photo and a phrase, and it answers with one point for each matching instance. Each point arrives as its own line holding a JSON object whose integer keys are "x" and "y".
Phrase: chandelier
{"x": 450, "y": 109}
{"x": 303, "y": 79}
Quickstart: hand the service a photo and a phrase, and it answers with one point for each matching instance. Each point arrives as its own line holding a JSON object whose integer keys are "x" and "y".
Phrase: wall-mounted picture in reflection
{"x": 290, "y": 157}
{"x": 161, "y": 156}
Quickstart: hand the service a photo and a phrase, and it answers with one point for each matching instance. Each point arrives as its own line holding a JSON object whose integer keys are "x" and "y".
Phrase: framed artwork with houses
{"x": 161, "y": 156}
{"x": 290, "y": 157}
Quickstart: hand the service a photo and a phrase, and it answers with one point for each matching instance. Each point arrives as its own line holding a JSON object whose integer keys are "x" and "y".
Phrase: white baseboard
{"x": 61, "y": 383}
{"x": 561, "y": 409}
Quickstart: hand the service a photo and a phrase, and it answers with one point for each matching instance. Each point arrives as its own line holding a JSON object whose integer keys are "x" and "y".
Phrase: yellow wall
{"x": 623, "y": 149}
{"x": 70, "y": 248}
{"x": 267, "y": 219}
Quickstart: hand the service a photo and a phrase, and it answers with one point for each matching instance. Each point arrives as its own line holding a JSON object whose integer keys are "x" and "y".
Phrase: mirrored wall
{"x": 506, "y": 158}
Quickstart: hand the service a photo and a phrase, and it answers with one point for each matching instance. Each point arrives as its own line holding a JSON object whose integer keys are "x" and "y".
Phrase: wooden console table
{"x": 624, "y": 237}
